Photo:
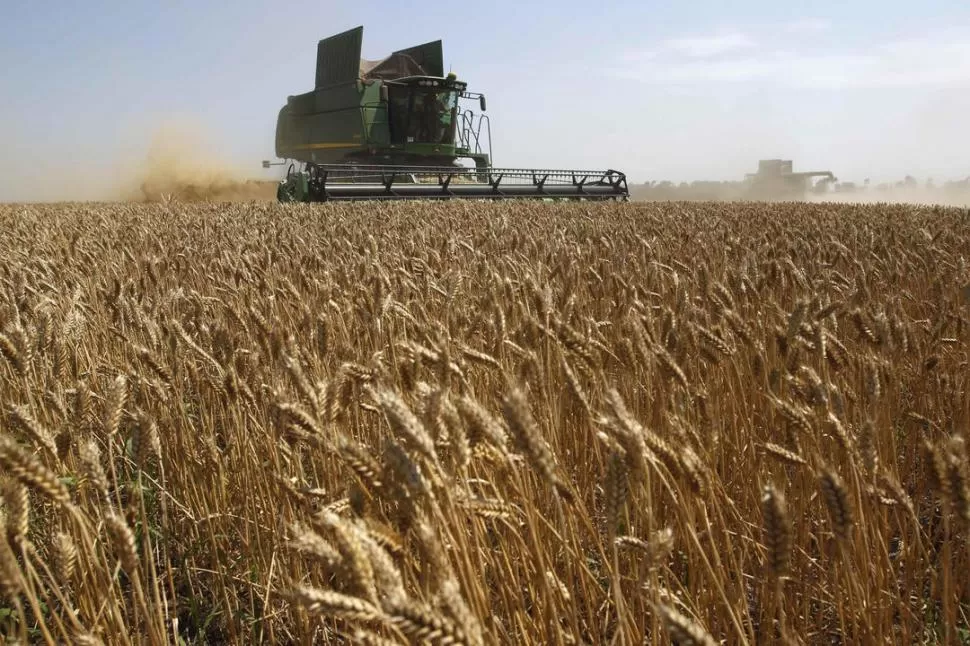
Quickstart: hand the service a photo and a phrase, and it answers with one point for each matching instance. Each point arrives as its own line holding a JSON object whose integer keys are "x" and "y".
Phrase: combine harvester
{"x": 399, "y": 128}
{"x": 775, "y": 180}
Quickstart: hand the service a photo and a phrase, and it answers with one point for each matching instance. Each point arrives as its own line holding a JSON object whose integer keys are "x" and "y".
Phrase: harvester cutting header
{"x": 400, "y": 128}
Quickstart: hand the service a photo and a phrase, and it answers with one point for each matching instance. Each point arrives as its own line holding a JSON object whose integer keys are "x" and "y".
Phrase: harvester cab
{"x": 400, "y": 128}
{"x": 428, "y": 122}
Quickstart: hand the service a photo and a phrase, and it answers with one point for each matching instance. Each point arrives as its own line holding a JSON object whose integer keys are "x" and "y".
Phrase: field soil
{"x": 468, "y": 423}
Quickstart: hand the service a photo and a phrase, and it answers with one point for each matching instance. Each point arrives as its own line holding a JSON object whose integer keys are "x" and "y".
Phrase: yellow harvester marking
{"x": 321, "y": 146}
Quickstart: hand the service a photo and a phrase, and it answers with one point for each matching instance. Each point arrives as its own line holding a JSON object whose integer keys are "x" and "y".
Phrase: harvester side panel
{"x": 345, "y": 96}
{"x": 326, "y": 125}
{"x": 338, "y": 58}
{"x": 320, "y": 137}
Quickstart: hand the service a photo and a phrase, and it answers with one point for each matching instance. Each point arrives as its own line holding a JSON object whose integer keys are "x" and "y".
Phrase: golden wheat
{"x": 484, "y": 423}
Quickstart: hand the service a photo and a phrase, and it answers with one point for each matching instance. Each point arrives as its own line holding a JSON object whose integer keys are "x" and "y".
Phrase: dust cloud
{"x": 904, "y": 191}
{"x": 169, "y": 159}
{"x": 180, "y": 165}
{"x": 179, "y": 162}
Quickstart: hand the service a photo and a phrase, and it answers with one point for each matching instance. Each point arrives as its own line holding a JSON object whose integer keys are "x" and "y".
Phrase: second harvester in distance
{"x": 399, "y": 128}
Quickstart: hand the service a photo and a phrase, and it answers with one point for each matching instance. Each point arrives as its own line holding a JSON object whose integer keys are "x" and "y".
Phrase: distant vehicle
{"x": 775, "y": 180}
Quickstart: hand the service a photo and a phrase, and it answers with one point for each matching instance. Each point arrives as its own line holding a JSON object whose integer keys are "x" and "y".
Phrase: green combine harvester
{"x": 400, "y": 128}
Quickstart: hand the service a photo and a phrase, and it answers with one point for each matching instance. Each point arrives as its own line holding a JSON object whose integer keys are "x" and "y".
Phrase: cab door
{"x": 399, "y": 97}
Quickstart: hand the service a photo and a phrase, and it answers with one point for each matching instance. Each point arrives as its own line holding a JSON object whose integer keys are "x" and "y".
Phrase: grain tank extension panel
{"x": 339, "y": 60}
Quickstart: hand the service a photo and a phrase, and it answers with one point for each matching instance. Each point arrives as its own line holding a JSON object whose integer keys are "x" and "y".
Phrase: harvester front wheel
{"x": 284, "y": 192}
{"x": 295, "y": 188}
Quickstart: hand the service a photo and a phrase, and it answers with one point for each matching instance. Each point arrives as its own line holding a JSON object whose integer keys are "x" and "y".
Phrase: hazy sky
{"x": 679, "y": 91}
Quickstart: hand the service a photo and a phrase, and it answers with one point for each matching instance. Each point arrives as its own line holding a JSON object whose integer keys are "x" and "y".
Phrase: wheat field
{"x": 473, "y": 423}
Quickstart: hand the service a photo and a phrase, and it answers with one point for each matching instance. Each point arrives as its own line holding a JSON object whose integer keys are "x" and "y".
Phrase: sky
{"x": 662, "y": 91}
